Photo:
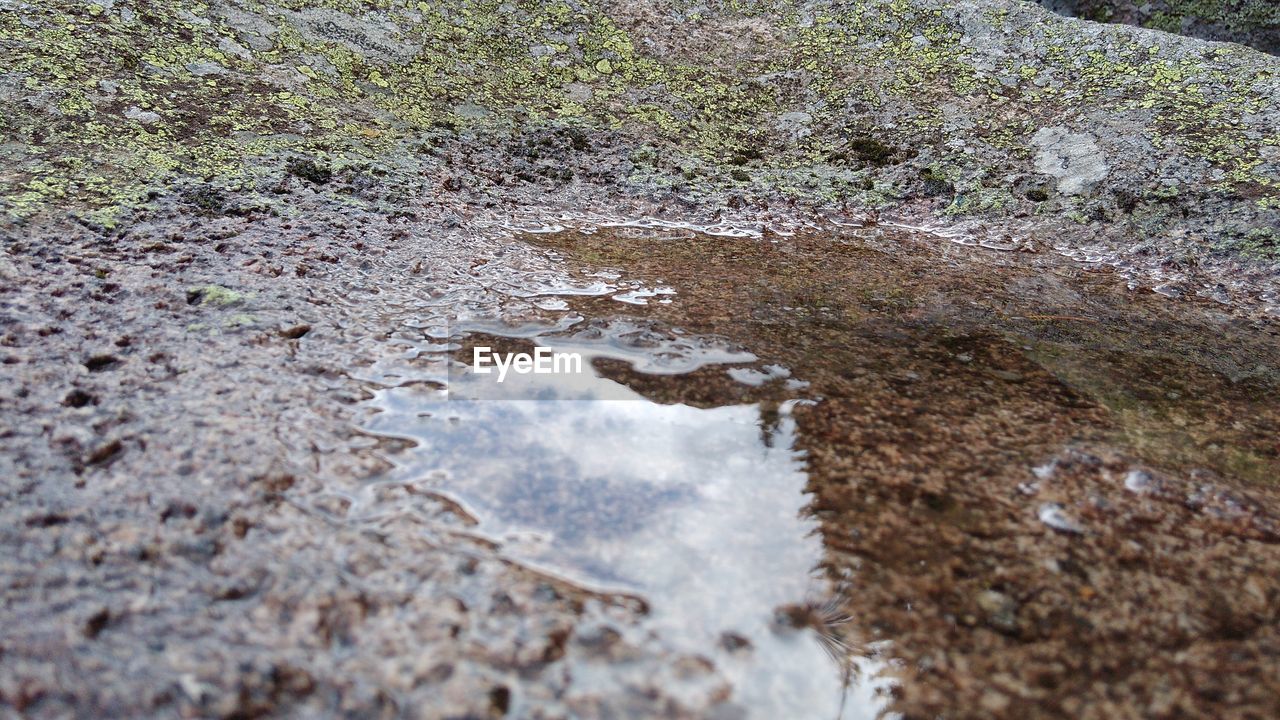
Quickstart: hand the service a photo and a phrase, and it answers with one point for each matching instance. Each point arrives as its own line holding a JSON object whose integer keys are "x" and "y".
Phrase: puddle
{"x": 697, "y": 509}
{"x": 700, "y": 511}
{"x": 836, "y": 452}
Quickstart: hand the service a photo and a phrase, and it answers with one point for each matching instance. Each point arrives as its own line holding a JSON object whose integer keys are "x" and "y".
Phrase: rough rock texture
{"x": 929, "y": 104}
{"x": 217, "y": 214}
{"x": 178, "y": 470}
{"x": 1255, "y": 23}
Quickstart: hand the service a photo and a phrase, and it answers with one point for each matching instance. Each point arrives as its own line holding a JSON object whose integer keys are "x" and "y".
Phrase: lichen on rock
{"x": 111, "y": 107}
{"x": 1251, "y": 22}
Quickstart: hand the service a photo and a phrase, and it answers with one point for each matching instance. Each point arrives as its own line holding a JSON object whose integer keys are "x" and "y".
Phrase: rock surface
{"x": 218, "y": 217}
{"x": 921, "y": 105}
{"x": 1255, "y": 23}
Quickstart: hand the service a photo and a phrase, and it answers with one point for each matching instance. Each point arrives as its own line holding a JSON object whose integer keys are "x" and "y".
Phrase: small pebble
{"x": 1053, "y": 515}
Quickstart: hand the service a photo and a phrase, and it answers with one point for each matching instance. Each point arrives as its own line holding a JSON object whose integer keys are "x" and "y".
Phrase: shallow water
{"x": 696, "y": 510}
{"x": 769, "y": 449}
{"x": 700, "y": 511}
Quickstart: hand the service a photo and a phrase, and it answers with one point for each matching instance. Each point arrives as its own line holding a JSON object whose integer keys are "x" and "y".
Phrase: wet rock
{"x": 955, "y": 89}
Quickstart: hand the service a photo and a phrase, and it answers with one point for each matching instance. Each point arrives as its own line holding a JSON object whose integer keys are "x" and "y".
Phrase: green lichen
{"x": 172, "y": 94}
{"x": 979, "y": 200}
{"x": 1257, "y": 243}
{"x": 1252, "y": 22}
{"x": 215, "y": 295}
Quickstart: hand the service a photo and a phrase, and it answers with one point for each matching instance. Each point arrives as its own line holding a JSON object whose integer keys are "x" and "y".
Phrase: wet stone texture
{"x": 1054, "y": 496}
{"x": 1037, "y": 491}
{"x": 1033, "y": 445}
{"x": 179, "y": 462}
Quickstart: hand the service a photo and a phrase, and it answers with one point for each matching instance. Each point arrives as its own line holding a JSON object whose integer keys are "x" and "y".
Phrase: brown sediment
{"x": 1053, "y": 495}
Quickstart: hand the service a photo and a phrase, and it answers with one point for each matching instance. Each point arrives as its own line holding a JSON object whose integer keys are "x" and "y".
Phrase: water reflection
{"x": 699, "y": 510}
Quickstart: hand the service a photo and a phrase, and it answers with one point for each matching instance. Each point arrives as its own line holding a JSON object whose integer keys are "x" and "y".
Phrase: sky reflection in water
{"x": 700, "y": 511}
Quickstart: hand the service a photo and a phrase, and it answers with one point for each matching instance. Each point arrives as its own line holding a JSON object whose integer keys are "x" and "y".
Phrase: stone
{"x": 1073, "y": 158}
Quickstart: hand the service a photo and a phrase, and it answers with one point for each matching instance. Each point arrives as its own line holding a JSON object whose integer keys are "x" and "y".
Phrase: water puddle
{"x": 696, "y": 509}
{"x": 700, "y": 511}
{"x": 808, "y": 450}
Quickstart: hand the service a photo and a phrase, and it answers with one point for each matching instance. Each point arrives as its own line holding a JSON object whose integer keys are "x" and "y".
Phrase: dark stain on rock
{"x": 96, "y": 623}
{"x": 105, "y": 453}
{"x": 101, "y": 361}
{"x": 872, "y": 151}
{"x": 79, "y": 398}
{"x": 309, "y": 170}
{"x": 500, "y": 700}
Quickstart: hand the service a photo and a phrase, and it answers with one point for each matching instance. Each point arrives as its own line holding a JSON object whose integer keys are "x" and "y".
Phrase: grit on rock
{"x": 1043, "y": 490}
